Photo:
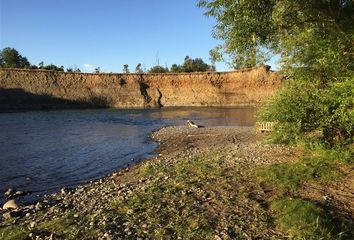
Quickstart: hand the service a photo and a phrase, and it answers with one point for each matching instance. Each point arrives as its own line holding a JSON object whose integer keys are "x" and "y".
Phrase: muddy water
{"x": 40, "y": 152}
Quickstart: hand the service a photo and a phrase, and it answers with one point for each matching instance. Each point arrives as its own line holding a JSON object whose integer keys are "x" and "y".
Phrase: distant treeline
{"x": 11, "y": 58}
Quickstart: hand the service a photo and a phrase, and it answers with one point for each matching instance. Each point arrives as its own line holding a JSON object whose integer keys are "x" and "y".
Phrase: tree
{"x": 315, "y": 42}
{"x": 52, "y": 67}
{"x": 138, "y": 68}
{"x": 158, "y": 69}
{"x": 126, "y": 68}
{"x": 176, "y": 68}
{"x": 192, "y": 65}
{"x": 97, "y": 70}
{"x": 307, "y": 34}
{"x": 10, "y": 58}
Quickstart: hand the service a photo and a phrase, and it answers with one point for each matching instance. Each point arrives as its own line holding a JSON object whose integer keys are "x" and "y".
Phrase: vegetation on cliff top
{"x": 11, "y": 58}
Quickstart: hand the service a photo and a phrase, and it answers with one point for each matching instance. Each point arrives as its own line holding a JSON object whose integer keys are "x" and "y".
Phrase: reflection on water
{"x": 40, "y": 152}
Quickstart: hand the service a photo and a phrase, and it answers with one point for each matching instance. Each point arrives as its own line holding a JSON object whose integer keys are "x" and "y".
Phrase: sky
{"x": 107, "y": 33}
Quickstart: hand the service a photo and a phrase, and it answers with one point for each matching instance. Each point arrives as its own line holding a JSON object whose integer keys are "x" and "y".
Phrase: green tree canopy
{"x": 158, "y": 69}
{"x": 192, "y": 65}
{"x": 314, "y": 35}
{"x": 10, "y": 58}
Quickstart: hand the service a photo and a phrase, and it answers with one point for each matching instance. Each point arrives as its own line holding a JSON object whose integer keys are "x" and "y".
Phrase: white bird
{"x": 192, "y": 124}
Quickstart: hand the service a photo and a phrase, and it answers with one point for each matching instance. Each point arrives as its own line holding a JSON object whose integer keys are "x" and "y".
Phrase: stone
{"x": 38, "y": 206}
{"x": 64, "y": 191}
{"x": 11, "y": 204}
{"x": 9, "y": 192}
{"x": 18, "y": 193}
{"x": 7, "y": 215}
{"x": 33, "y": 224}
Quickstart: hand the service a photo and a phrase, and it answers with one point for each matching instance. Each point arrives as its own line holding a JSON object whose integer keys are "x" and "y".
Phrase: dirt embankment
{"x": 246, "y": 87}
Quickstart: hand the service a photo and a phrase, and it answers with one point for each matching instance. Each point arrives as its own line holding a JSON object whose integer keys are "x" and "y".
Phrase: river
{"x": 40, "y": 152}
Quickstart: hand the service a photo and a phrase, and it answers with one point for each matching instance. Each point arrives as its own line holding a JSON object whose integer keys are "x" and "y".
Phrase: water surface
{"x": 40, "y": 152}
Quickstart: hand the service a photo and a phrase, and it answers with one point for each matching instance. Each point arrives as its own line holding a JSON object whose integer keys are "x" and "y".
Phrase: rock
{"x": 7, "y": 215}
{"x": 107, "y": 236}
{"x": 33, "y": 224}
{"x": 64, "y": 191}
{"x": 38, "y": 206}
{"x": 30, "y": 207}
{"x": 11, "y": 204}
{"x": 18, "y": 193}
{"x": 9, "y": 192}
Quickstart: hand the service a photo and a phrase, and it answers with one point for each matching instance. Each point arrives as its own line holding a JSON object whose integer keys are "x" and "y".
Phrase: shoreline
{"x": 125, "y": 181}
{"x": 207, "y": 170}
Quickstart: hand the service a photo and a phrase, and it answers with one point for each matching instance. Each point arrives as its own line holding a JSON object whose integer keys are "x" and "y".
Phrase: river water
{"x": 40, "y": 152}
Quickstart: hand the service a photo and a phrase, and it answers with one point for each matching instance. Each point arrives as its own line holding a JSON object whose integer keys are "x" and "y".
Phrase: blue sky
{"x": 106, "y": 33}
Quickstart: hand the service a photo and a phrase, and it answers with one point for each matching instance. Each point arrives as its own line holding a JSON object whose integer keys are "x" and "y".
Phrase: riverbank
{"x": 28, "y": 89}
{"x": 207, "y": 183}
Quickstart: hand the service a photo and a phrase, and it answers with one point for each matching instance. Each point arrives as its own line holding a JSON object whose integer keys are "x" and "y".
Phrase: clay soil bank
{"x": 41, "y": 89}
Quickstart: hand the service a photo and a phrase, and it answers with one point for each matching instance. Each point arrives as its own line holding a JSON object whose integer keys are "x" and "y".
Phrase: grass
{"x": 304, "y": 219}
{"x": 196, "y": 198}
{"x": 321, "y": 166}
{"x": 13, "y": 233}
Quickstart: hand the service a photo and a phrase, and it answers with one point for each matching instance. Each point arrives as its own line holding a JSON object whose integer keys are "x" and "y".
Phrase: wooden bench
{"x": 265, "y": 126}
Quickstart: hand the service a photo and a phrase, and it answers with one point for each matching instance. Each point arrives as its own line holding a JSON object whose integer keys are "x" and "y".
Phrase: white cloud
{"x": 88, "y": 67}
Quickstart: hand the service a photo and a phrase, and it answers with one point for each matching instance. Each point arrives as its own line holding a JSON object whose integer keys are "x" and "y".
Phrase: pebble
{"x": 33, "y": 224}
{"x": 7, "y": 215}
{"x": 38, "y": 206}
{"x": 11, "y": 204}
{"x": 9, "y": 192}
{"x": 18, "y": 193}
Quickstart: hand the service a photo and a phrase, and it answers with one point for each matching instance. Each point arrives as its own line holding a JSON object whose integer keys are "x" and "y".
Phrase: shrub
{"x": 305, "y": 109}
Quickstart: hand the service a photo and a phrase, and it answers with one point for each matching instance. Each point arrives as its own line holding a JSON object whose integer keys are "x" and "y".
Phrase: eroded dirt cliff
{"x": 245, "y": 87}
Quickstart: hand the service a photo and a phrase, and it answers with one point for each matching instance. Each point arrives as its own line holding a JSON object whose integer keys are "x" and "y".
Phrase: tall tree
{"x": 138, "y": 68}
{"x": 126, "y": 68}
{"x": 10, "y": 58}
{"x": 317, "y": 34}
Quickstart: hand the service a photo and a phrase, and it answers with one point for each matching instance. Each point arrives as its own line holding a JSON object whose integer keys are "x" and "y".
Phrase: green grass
{"x": 65, "y": 227}
{"x": 13, "y": 233}
{"x": 322, "y": 166}
{"x": 174, "y": 206}
{"x": 303, "y": 219}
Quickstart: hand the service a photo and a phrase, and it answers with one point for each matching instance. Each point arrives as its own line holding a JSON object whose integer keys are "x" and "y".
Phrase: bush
{"x": 312, "y": 110}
